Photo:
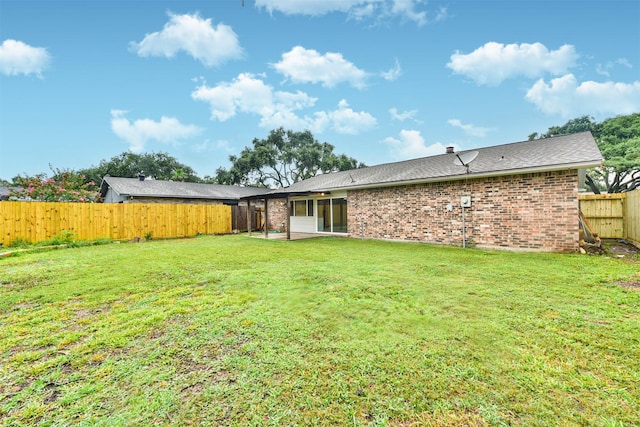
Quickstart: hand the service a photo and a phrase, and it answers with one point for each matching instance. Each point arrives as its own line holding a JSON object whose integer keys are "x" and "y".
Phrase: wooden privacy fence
{"x": 613, "y": 216}
{"x": 38, "y": 221}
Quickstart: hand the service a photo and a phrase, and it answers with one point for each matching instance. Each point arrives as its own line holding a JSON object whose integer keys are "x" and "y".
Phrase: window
{"x": 302, "y": 208}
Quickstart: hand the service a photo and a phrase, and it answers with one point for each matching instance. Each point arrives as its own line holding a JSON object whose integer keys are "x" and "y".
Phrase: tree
{"x": 63, "y": 186}
{"x": 619, "y": 141}
{"x": 283, "y": 158}
{"x": 178, "y": 175}
{"x": 129, "y": 165}
{"x": 581, "y": 124}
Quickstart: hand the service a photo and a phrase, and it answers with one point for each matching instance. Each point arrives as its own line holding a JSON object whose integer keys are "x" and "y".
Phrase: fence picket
{"x": 38, "y": 221}
{"x": 633, "y": 217}
{"x": 613, "y": 216}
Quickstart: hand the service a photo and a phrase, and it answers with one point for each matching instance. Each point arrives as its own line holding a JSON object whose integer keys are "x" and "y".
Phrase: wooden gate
{"x": 613, "y": 216}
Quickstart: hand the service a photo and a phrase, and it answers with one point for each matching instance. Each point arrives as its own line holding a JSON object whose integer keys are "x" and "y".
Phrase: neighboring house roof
{"x": 134, "y": 187}
{"x": 576, "y": 151}
{"x": 4, "y": 192}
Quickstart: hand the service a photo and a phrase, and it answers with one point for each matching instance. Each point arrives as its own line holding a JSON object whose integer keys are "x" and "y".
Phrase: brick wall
{"x": 528, "y": 212}
{"x": 277, "y": 213}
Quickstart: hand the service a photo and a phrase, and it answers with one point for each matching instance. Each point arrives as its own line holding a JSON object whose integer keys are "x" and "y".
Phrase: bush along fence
{"x": 38, "y": 221}
{"x": 613, "y": 216}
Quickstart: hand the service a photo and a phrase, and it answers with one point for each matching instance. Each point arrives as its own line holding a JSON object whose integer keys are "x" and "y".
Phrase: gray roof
{"x": 576, "y": 151}
{"x": 176, "y": 189}
{"x": 4, "y": 192}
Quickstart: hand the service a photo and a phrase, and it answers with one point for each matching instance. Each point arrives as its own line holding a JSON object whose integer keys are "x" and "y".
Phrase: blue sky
{"x": 381, "y": 80}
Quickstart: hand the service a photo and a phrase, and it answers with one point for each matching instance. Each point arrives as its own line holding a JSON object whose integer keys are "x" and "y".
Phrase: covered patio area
{"x": 277, "y": 217}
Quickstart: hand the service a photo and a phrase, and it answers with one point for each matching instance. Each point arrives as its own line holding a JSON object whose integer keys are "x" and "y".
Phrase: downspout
{"x": 249, "y": 217}
{"x": 464, "y": 228}
{"x": 266, "y": 218}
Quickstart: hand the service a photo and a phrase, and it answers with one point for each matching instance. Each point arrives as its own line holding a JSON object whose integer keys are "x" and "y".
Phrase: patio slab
{"x": 283, "y": 236}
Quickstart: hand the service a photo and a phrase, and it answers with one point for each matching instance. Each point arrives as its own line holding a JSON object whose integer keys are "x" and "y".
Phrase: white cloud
{"x": 493, "y": 63}
{"x": 282, "y": 111}
{"x": 402, "y": 116}
{"x": 393, "y": 73}
{"x": 411, "y": 145}
{"x": 470, "y": 130}
{"x": 208, "y": 145}
{"x": 249, "y": 94}
{"x": 346, "y": 121}
{"x": 246, "y": 93}
{"x": 568, "y": 98}
{"x": 309, "y": 7}
{"x": 302, "y": 65}
{"x": 361, "y": 12}
{"x": 138, "y": 133}
{"x": 604, "y": 69}
{"x": 209, "y": 44}
{"x": 441, "y": 14}
{"x": 356, "y": 9}
{"x": 17, "y": 57}
{"x": 406, "y": 8}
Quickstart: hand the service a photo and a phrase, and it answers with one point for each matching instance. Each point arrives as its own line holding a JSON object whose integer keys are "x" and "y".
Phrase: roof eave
{"x": 281, "y": 194}
{"x": 521, "y": 171}
{"x": 177, "y": 196}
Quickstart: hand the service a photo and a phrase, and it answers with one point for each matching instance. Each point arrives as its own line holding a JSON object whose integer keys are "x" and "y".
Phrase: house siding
{"x": 523, "y": 212}
{"x": 113, "y": 197}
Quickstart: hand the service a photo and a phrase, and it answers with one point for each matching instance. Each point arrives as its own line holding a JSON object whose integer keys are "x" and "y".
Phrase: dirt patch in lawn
{"x": 629, "y": 284}
{"x": 620, "y": 248}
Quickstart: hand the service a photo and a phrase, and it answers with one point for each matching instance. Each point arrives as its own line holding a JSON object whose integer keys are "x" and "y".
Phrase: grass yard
{"x": 230, "y": 330}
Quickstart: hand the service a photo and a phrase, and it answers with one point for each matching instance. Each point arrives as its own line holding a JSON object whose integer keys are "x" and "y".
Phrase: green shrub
{"x": 20, "y": 243}
{"x": 65, "y": 237}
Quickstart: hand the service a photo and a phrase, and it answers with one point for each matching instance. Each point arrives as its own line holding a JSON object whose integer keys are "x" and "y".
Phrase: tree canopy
{"x": 619, "y": 141}
{"x": 580, "y": 124}
{"x": 283, "y": 158}
{"x": 129, "y": 165}
{"x": 63, "y": 186}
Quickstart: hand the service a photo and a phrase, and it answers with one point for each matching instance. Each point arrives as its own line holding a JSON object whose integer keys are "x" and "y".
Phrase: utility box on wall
{"x": 465, "y": 201}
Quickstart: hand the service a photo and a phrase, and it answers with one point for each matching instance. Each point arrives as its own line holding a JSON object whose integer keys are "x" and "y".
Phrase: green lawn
{"x": 231, "y": 330}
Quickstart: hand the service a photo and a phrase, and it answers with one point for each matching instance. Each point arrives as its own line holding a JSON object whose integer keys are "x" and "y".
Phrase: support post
{"x": 266, "y": 218}
{"x": 249, "y": 217}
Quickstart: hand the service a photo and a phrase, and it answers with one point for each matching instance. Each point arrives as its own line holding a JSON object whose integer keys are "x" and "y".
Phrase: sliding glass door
{"x": 324, "y": 215}
{"x": 332, "y": 215}
{"x": 339, "y": 207}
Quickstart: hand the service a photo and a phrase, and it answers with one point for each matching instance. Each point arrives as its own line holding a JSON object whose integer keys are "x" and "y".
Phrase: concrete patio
{"x": 283, "y": 236}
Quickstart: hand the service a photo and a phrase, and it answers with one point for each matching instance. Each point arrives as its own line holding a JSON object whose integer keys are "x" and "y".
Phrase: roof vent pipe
{"x": 141, "y": 176}
{"x": 450, "y": 150}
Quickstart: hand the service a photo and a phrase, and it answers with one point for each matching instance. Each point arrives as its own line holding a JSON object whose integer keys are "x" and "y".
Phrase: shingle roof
{"x": 4, "y": 192}
{"x": 175, "y": 189}
{"x": 576, "y": 151}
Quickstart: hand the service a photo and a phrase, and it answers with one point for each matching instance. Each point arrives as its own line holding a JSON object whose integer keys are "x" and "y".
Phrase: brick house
{"x": 519, "y": 196}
